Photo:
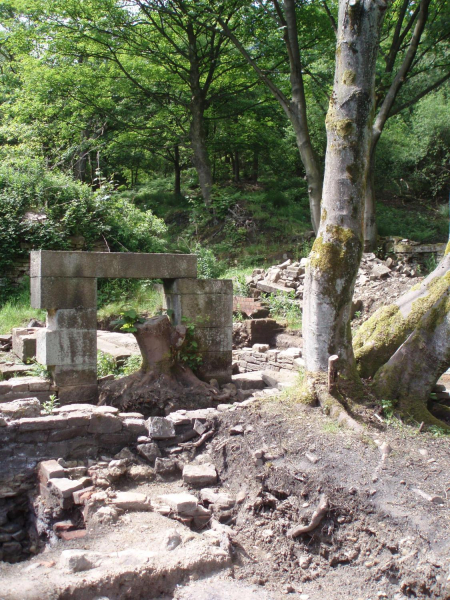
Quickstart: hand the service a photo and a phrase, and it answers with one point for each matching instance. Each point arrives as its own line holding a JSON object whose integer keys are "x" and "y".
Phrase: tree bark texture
{"x": 336, "y": 254}
{"x": 162, "y": 384}
{"x": 389, "y": 327}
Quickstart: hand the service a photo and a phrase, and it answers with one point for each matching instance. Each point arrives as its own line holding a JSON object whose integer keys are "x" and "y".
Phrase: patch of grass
{"x": 238, "y": 275}
{"x": 17, "y": 312}
{"x": 286, "y": 308}
{"x": 331, "y": 427}
{"x": 144, "y": 298}
{"x": 106, "y": 365}
{"x": 425, "y": 226}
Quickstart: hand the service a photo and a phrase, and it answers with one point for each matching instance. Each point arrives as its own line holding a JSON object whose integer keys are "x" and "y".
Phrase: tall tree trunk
{"x": 296, "y": 111}
{"x": 255, "y": 166}
{"x": 236, "y": 166}
{"x": 370, "y": 222}
{"x": 336, "y": 254}
{"x": 197, "y": 128}
{"x": 177, "y": 167}
{"x": 200, "y": 153}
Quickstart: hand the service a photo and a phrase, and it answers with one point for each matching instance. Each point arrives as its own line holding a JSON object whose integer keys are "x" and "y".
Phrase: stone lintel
{"x": 48, "y": 263}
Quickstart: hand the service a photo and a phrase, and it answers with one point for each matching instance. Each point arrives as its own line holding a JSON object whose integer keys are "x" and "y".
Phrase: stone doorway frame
{"x": 64, "y": 283}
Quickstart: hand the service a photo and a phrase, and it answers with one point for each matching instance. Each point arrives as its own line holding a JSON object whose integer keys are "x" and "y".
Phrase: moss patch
{"x": 348, "y": 77}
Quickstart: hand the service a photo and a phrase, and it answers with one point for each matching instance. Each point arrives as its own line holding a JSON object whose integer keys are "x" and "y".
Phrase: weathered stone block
{"x": 18, "y": 409}
{"x": 63, "y": 292}
{"x": 72, "y": 318}
{"x": 249, "y": 381}
{"x": 42, "y": 423}
{"x": 104, "y": 423}
{"x": 199, "y": 286}
{"x": 214, "y": 339}
{"x": 45, "y": 263}
{"x": 64, "y": 488}
{"x": 160, "y": 428}
{"x": 182, "y": 503}
{"x": 132, "y": 501}
{"x": 65, "y": 347}
{"x": 50, "y": 469}
{"x": 74, "y": 375}
{"x": 149, "y": 451}
{"x": 78, "y": 394}
{"x": 24, "y": 343}
{"x": 136, "y": 426}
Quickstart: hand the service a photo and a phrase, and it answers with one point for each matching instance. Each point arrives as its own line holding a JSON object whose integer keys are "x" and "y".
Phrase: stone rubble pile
{"x": 290, "y": 275}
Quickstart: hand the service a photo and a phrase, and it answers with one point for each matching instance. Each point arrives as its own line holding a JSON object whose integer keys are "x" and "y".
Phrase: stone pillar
{"x": 68, "y": 344}
{"x": 208, "y": 304}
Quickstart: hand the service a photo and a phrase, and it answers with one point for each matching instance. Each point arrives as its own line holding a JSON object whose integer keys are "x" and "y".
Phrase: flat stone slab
{"x": 132, "y": 501}
{"x": 9, "y": 371}
{"x": 274, "y": 378}
{"x": 64, "y": 487}
{"x": 249, "y": 381}
{"x": 119, "y": 345}
{"x": 199, "y": 475}
{"x": 182, "y": 503}
{"x": 19, "y": 409}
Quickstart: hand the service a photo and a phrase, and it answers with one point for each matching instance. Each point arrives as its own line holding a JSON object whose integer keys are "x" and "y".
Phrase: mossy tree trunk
{"x": 407, "y": 379}
{"x": 336, "y": 254}
{"x": 381, "y": 335}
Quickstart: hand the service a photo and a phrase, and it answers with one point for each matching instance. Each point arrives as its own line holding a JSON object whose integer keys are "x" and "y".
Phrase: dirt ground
{"x": 380, "y": 537}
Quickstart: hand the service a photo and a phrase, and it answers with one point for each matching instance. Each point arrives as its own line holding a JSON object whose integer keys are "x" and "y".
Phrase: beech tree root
{"x": 316, "y": 519}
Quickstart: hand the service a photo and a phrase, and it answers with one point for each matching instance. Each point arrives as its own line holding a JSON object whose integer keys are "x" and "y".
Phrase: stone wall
{"x": 261, "y": 358}
{"x": 75, "y": 431}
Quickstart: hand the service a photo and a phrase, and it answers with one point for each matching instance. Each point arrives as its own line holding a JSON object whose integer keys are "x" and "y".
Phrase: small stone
{"x": 141, "y": 473}
{"x": 313, "y": 458}
{"x": 237, "y": 430}
{"x": 182, "y": 503}
{"x": 305, "y": 561}
{"x": 171, "y": 540}
{"x": 75, "y": 534}
{"x": 423, "y": 452}
{"x": 75, "y": 561}
{"x": 149, "y": 451}
{"x": 166, "y": 466}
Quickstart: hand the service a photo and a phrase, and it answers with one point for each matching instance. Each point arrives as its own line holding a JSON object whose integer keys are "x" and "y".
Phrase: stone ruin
{"x": 79, "y": 432}
{"x": 65, "y": 284}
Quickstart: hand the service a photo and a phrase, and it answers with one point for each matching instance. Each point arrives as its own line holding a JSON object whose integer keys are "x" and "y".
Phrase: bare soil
{"x": 379, "y": 538}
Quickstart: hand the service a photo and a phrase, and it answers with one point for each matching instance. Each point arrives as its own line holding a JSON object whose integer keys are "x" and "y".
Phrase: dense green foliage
{"x": 114, "y": 114}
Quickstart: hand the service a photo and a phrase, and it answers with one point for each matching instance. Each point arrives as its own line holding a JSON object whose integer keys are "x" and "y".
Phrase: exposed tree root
{"x": 316, "y": 518}
{"x": 162, "y": 384}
